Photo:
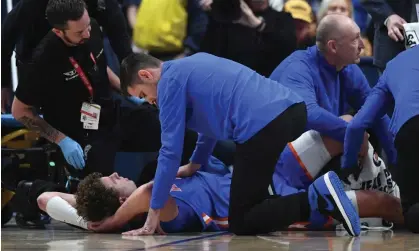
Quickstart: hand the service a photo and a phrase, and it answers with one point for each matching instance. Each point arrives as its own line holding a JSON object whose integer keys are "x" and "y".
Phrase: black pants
{"x": 407, "y": 171}
{"x": 134, "y": 130}
{"x": 252, "y": 209}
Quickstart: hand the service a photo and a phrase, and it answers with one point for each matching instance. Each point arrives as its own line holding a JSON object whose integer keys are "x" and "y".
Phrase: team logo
{"x": 412, "y": 38}
{"x": 70, "y": 75}
{"x": 175, "y": 189}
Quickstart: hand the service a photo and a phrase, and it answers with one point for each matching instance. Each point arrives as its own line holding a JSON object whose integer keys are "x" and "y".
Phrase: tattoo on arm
{"x": 41, "y": 126}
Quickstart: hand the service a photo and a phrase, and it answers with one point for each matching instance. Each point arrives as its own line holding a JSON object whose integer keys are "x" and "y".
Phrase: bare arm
{"x": 113, "y": 79}
{"x": 379, "y": 204}
{"x": 138, "y": 203}
{"x": 26, "y": 115}
{"x": 132, "y": 15}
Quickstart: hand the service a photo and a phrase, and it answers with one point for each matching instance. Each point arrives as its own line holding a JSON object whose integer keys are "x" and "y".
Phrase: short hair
{"x": 94, "y": 201}
{"x": 59, "y": 12}
{"x": 130, "y": 67}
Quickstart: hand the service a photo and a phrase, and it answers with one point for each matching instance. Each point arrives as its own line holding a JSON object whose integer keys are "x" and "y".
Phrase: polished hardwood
{"x": 58, "y": 236}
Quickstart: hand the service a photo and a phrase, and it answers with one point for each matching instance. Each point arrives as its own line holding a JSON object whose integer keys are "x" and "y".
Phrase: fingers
{"x": 160, "y": 230}
{"x": 399, "y": 34}
{"x": 206, "y": 4}
{"x": 395, "y": 34}
{"x": 141, "y": 231}
{"x": 395, "y": 29}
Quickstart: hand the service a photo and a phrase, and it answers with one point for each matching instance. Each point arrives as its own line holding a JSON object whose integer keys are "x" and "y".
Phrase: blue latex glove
{"x": 73, "y": 152}
{"x": 136, "y": 100}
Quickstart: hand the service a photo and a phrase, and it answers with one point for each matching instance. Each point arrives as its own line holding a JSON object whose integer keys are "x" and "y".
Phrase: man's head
{"x": 339, "y": 40}
{"x": 343, "y": 7}
{"x": 69, "y": 20}
{"x": 140, "y": 74}
{"x": 302, "y": 14}
{"x": 99, "y": 197}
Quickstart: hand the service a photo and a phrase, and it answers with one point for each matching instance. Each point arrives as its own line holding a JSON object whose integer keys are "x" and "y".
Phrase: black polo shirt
{"x": 52, "y": 84}
{"x": 26, "y": 25}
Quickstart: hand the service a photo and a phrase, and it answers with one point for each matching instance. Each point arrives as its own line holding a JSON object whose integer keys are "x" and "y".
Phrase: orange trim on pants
{"x": 300, "y": 161}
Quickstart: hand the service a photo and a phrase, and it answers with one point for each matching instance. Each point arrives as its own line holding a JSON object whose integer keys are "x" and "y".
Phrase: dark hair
{"x": 131, "y": 65}
{"x": 94, "y": 201}
{"x": 59, "y": 12}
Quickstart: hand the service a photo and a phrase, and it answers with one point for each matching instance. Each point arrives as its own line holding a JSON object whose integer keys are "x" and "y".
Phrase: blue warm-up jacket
{"x": 329, "y": 93}
{"x": 399, "y": 85}
{"x": 218, "y": 98}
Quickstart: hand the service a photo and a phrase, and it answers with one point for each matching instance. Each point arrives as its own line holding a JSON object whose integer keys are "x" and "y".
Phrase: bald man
{"x": 331, "y": 84}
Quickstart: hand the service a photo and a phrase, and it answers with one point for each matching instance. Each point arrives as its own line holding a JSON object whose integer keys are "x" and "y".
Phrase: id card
{"x": 90, "y": 115}
{"x": 91, "y": 125}
{"x": 90, "y": 112}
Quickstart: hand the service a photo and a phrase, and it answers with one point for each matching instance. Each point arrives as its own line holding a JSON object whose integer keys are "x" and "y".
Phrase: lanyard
{"x": 83, "y": 77}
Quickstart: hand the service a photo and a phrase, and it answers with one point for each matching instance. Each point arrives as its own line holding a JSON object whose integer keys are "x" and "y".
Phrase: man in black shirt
{"x": 67, "y": 79}
{"x": 26, "y": 25}
{"x": 260, "y": 38}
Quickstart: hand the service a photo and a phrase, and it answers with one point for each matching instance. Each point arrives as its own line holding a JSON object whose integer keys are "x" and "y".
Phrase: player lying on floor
{"x": 305, "y": 159}
{"x": 200, "y": 202}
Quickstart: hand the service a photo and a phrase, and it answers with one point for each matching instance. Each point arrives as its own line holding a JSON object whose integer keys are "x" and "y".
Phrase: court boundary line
{"x": 183, "y": 241}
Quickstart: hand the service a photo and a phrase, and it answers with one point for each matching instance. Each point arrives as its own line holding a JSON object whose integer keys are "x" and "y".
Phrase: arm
{"x": 172, "y": 103}
{"x": 131, "y": 7}
{"x": 297, "y": 76}
{"x": 29, "y": 94}
{"x": 373, "y": 109}
{"x": 201, "y": 155}
{"x": 113, "y": 21}
{"x": 25, "y": 114}
{"x": 378, "y": 9}
{"x": 132, "y": 15}
{"x": 381, "y": 126}
{"x": 139, "y": 203}
{"x": 197, "y": 25}
{"x": 60, "y": 206}
{"x": 203, "y": 150}
{"x": 12, "y": 26}
{"x": 113, "y": 79}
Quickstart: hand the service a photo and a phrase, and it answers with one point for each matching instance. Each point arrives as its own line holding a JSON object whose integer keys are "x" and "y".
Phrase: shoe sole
{"x": 344, "y": 204}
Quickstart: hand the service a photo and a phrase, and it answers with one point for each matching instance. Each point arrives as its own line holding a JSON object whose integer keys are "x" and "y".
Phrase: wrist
{"x": 261, "y": 25}
{"x": 60, "y": 139}
{"x": 154, "y": 212}
{"x": 387, "y": 19}
{"x": 256, "y": 22}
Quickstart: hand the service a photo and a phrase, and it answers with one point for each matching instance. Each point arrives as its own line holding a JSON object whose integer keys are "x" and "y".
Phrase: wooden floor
{"x": 62, "y": 237}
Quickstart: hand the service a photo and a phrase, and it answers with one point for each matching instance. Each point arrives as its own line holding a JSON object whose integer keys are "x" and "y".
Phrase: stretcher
{"x": 25, "y": 156}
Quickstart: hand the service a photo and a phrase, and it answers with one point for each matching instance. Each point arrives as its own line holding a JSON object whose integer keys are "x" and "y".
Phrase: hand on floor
{"x": 151, "y": 225}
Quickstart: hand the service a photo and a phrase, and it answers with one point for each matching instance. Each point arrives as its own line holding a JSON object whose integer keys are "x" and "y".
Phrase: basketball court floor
{"x": 62, "y": 237}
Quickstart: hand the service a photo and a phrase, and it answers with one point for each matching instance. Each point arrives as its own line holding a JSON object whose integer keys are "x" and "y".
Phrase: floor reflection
{"x": 62, "y": 237}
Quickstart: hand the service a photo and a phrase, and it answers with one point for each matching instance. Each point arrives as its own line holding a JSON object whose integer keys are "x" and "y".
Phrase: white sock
{"x": 61, "y": 210}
